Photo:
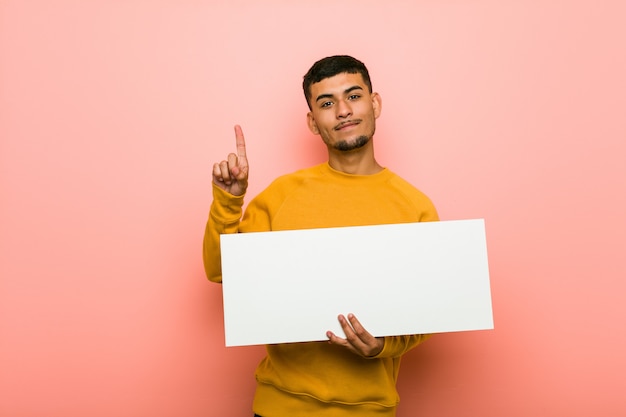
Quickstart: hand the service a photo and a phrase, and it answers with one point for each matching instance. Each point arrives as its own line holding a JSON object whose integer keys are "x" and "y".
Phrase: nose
{"x": 344, "y": 110}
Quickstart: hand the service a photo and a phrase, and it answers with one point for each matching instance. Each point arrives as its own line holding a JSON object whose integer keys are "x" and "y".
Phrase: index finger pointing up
{"x": 241, "y": 143}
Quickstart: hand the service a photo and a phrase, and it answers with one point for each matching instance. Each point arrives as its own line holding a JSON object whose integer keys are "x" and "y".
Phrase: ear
{"x": 377, "y": 104}
{"x": 311, "y": 123}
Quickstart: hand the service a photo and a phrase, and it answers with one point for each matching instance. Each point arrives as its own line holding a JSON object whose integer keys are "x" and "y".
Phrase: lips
{"x": 347, "y": 124}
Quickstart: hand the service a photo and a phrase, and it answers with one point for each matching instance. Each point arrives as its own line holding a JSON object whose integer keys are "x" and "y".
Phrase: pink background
{"x": 112, "y": 112}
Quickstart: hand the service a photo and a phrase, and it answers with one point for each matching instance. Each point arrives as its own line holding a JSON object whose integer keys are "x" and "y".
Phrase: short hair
{"x": 331, "y": 66}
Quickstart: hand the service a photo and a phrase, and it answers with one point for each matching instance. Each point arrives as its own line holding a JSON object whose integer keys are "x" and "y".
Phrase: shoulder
{"x": 414, "y": 196}
{"x": 293, "y": 179}
{"x": 285, "y": 184}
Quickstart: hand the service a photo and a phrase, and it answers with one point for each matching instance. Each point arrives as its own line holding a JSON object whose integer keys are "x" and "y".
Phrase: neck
{"x": 358, "y": 162}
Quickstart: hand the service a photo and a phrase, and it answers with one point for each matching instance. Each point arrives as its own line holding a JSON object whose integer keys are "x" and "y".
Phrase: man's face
{"x": 343, "y": 111}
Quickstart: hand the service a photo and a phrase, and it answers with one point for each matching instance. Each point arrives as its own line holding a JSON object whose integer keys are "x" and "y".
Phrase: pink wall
{"x": 111, "y": 114}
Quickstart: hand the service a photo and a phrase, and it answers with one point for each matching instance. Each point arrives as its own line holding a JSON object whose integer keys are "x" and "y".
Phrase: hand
{"x": 358, "y": 340}
{"x": 232, "y": 175}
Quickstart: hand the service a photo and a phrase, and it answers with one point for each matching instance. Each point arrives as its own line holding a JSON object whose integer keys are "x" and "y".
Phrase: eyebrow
{"x": 346, "y": 91}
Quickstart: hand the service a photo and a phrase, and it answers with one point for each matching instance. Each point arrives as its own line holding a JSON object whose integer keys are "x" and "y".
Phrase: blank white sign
{"x": 412, "y": 278}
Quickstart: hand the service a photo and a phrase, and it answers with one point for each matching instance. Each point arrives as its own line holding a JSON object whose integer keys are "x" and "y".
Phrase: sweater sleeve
{"x": 396, "y": 346}
{"x": 224, "y": 217}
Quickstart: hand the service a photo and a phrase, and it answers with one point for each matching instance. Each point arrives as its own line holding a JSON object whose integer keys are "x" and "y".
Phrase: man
{"x": 353, "y": 375}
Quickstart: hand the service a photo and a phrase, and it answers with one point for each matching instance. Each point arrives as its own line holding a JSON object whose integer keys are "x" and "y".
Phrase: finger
{"x": 333, "y": 338}
{"x": 372, "y": 345}
{"x": 352, "y": 337}
{"x": 359, "y": 330}
{"x": 336, "y": 340}
{"x": 217, "y": 173}
{"x": 368, "y": 339}
{"x": 233, "y": 166}
{"x": 241, "y": 145}
{"x": 224, "y": 172}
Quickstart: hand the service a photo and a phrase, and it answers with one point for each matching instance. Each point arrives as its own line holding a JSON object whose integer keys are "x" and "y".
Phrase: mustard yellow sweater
{"x": 315, "y": 379}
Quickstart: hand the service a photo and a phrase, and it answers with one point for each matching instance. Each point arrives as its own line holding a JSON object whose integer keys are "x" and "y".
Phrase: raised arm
{"x": 230, "y": 181}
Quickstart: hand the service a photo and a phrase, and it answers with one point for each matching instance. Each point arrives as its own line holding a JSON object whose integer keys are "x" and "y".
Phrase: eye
{"x": 354, "y": 97}
{"x": 326, "y": 104}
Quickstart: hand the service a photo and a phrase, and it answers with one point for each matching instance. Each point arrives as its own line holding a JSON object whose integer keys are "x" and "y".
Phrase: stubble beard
{"x": 345, "y": 146}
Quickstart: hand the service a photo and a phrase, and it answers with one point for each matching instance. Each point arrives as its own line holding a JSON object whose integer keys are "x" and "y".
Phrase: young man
{"x": 353, "y": 375}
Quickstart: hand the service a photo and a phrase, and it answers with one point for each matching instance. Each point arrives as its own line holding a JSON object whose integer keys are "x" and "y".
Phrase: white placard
{"x": 412, "y": 278}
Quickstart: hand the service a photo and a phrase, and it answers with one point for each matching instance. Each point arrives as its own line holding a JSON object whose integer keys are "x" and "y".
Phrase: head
{"x": 343, "y": 108}
{"x": 331, "y": 66}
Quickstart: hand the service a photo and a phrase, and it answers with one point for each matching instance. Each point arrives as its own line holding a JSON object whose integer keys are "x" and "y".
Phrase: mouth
{"x": 347, "y": 124}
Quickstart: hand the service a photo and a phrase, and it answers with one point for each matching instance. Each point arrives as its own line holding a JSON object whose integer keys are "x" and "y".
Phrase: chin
{"x": 351, "y": 145}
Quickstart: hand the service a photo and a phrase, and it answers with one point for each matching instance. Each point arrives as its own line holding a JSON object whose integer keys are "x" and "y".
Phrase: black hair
{"x": 331, "y": 66}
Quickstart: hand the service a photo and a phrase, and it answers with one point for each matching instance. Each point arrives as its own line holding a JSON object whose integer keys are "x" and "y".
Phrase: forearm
{"x": 224, "y": 217}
